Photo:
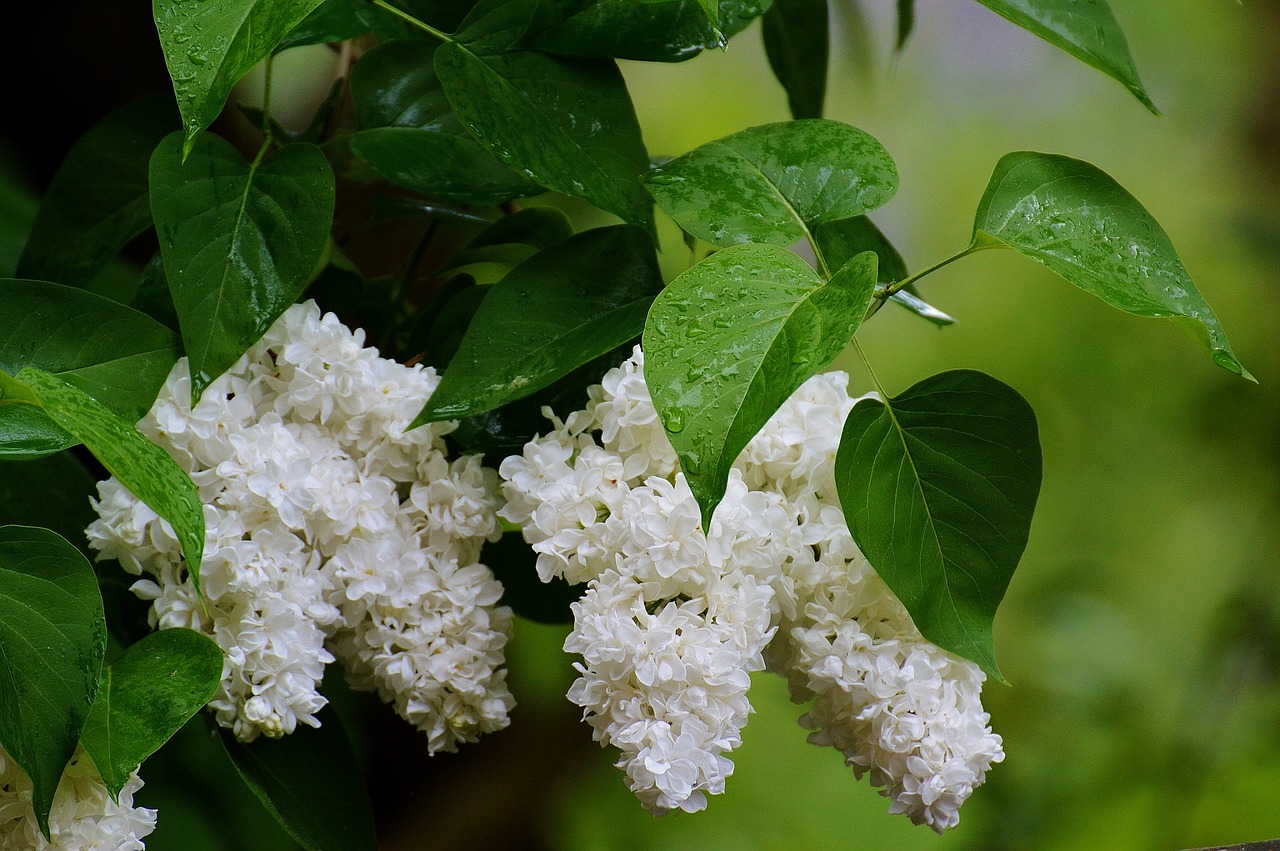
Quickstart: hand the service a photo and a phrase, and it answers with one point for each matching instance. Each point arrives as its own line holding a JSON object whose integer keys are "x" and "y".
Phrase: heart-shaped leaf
{"x": 938, "y": 485}
{"x": 140, "y": 465}
{"x": 210, "y": 46}
{"x": 774, "y": 183}
{"x": 796, "y": 37}
{"x": 52, "y": 637}
{"x": 114, "y": 353}
{"x": 1088, "y": 31}
{"x": 239, "y": 240}
{"x": 309, "y": 780}
{"x": 566, "y": 124}
{"x": 559, "y": 309}
{"x": 1073, "y": 218}
{"x": 728, "y": 341}
{"x": 97, "y": 200}
{"x": 145, "y": 697}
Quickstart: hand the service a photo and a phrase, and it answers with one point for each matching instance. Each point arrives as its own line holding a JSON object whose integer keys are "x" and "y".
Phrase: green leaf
{"x": 839, "y": 240}
{"x": 332, "y": 21}
{"x": 540, "y": 227}
{"x": 559, "y": 309}
{"x": 1088, "y": 31}
{"x": 146, "y": 695}
{"x": 774, "y": 183}
{"x": 938, "y": 485}
{"x": 310, "y": 781}
{"x": 97, "y": 200}
{"x": 141, "y": 466}
{"x": 1073, "y": 218}
{"x": 566, "y": 124}
{"x": 650, "y": 32}
{"x": 240, "y": 241}
{"x": 210, "y": 46}
{"x": 52, "y": 638}
{"x": 51, "y": 492}
{"x": 728, "y": 341}
{"x": 906, "y": 21}
{"x": 796, "y": 36}
{"x": 114, "y": 353}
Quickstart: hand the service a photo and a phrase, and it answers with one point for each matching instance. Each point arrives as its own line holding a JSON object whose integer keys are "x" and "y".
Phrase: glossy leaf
{"x": 114, "y": 353}
{"x": 774, "y": 183}
{"x": 651, "y": 32}
{"x": 559, "y": 309}
{"x": 566, "y": 124}
{"x": 51, "y": 492}
{"x": 52, "y": 638}
{"x": 333, "y": 21}
{"x": 240, "y": 241}
{"x": 796, "y": 38}
{"x": 140, "y": 465}
{"x": 97, "y": 200}
{"x": 728, "y": 341}
{"x": 145, "y": 696}
{"x": 1088, "y": 31}
{"x": 938, "y": 486}
{"x": 209, "y": 46}
{"x": 310, "y": 781}
{"x": 839, "y": 240}
{"x": 1073, "y": 218}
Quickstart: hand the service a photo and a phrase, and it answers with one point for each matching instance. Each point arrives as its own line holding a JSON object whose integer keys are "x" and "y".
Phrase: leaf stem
{"x": 412, "y": 21}
{"x": 266, "y": 95}
{"x": 883, "y": 295}
{"x": 857, "y": 347}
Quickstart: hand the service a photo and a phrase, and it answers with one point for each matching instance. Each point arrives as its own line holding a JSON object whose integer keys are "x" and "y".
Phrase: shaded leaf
{"x": 51, "y": 492}
{"x": 540, "y": 227}
{"x": 728, "y": 341}
{"x": 310, "y": 781}
{"x": 938, "y": 486}
{"x": 796, "y": 38}
{"x": 332, "y": 21}
{"x": 1088, "y": 31}
{"x": 566, "y": 124}
{"x": 559, "y": 309}
{"x": 514, "y": 564}
{"x": 774, "y": 183}
{"x": 114, "y": 353}
{"x": 652, "y": 32}
{"x": 1073, "y": 218}
{"x": 210, "y": 46}
{"x": 97, "y": 200}
{"x": 140, "y": 465}
{"x": 240, "y": 241}
{"x": 906, "y": 21}
{"x": 52, "y": 638}
{"x": 145, "y": 696}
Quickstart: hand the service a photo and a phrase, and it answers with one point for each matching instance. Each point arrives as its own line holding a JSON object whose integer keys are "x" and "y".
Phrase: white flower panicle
{"x": 83, "y": 816}
{"x": 330, "y": 531}
{"x": 674, "y": 621}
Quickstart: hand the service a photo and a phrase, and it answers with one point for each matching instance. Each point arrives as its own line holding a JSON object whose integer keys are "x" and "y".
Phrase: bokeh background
{"x": 1141, "y": 632}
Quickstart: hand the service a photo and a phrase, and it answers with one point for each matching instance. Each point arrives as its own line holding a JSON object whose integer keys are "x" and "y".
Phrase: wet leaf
{"x": 774, "y": 183}
{"x": 728, "y": 341}
{"x": 556, "y": 311}
{"x": 52, "y": 638}
{"x": 938, "y": 486}
{"x": 566, "y": 124}
{"x": 1073, "y": 218}
{"x": 651, "y": 32}
{"x": 145, "y": 696}
{"x": 1088, "y": 31}
{"x": 113, "y": 353}
{"x": 210, "y": 44}
{"x": 240, "y": 241}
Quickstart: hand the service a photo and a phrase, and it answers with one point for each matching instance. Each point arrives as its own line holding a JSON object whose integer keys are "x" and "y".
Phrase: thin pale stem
{"x": 412, "y": 21}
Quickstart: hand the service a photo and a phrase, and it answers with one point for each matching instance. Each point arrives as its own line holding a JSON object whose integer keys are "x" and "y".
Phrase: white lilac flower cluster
{"x": 83, "y": 816}
{"x": 673, "y": 621}
{"x": 330, "y": 532}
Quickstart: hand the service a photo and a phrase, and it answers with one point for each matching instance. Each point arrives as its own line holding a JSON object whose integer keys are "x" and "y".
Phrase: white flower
{"x": 329, "y": 530}
{"x": 83, "y": 816}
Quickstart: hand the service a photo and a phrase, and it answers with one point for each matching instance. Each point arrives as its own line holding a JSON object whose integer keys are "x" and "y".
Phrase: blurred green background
{"x": 1141, "y": 633}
